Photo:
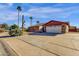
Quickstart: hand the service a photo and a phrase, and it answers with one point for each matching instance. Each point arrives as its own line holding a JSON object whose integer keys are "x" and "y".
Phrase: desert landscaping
{"x": 31, "y": 32}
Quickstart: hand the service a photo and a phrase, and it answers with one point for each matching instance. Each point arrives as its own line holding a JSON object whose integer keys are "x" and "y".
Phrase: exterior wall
{"x": 72, "y": 29}
{"x": 77, "y": 30}
{"x": 54, "y": 29}
{"x": 34, "y": 29}
{"x": 65, "y": 28}
{"x": 40, "y": 27}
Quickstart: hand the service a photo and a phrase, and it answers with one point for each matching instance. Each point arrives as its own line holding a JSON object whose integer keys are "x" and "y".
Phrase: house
{"x": 77, "y": 29}
{"x": 51, "y": 27}
{"x": 36, "y": 28}
{"x": 1, "y": 29}
{"x": 72, "y": 29}
{"x": 56, "y": 27}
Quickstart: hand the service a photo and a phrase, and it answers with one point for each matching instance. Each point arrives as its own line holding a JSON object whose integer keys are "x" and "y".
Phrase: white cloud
{"x": 45, "y": 12}
{"x": 10, "y": 4}
{"x": 37, "y": 12}
{"x": 8, "y": 16}
{"x": 50, "y": 12}
{"x": 6, "y": 13}
{"x": 5, "y": 6}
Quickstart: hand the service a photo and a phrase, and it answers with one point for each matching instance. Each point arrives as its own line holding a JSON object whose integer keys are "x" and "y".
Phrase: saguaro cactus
{"x": 23, "y": 21}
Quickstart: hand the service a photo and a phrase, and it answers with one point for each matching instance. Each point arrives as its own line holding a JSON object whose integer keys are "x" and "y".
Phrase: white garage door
{"x": 54, "y": 29}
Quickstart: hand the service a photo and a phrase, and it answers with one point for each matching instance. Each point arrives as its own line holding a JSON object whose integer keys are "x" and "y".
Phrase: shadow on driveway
{"x": 44, "y": 34}
{"x": 6, "y": 36}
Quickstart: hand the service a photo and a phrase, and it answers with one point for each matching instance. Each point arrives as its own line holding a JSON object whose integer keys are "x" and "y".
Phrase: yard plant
{"x": 14, "y": 30}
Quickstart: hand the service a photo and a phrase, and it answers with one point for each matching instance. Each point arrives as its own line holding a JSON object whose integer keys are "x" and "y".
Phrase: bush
{"x": 14, "y": 30}
{"x": 26, "y": 30}
{"x": 5, "y": 26}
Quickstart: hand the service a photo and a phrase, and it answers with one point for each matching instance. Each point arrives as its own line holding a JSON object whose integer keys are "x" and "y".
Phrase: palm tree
{"x": 19, "y": 9}
{"x": 31, "y": 18}
{"x": 37, "y": 22}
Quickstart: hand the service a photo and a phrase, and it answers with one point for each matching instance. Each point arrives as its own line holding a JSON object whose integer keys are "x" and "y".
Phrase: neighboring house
{"x": 1, "y": 29}
{"x": 0, "y": 25}
{"x": 23, "y": 28}
{"x": 51, "y": 27}
{"x": 77, "y": 29}
{"x": 36, "y": 28}
{"x": 72, "y": 29}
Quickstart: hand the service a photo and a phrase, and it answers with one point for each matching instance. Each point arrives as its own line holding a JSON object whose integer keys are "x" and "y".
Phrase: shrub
{"x": 14, "y": 30}
{"x": 5, "y": 26}
{"x": 26, "y": 30}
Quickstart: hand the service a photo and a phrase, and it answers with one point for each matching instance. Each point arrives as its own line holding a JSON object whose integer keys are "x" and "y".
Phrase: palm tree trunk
{"x": 30, "y": 22}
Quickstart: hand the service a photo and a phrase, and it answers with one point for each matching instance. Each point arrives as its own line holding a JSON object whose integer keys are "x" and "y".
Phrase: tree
{"x": 31, "y": 18}
{"x": 13, "y": 30}
{"x": 37, "y": 22}
{"x": 5, "y": 26}
{"x": 19, "y": 10}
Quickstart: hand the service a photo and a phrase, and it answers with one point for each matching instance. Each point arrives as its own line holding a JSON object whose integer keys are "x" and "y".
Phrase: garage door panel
{"x": 53, "y": 29}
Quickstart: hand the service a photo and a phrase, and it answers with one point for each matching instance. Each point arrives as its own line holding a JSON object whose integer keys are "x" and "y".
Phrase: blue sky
{"x": 42, "y": 12}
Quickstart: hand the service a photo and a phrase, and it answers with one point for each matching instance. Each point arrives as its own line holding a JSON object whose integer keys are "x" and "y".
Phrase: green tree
{"x": 37, "y": 22}
{"x": 5, "y": 26}
{"x": 13, "y": 30}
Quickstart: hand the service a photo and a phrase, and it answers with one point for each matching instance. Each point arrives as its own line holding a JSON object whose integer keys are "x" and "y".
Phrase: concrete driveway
{"x": 41, "y": 45}
{"x": 61, "y": 44}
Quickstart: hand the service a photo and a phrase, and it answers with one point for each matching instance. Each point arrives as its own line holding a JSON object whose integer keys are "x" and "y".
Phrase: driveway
{"x": 16, "y": 47}
{"x": 61, "y": 44}
{"x": 3, "y": 51}
{"x": 39, "y": 44}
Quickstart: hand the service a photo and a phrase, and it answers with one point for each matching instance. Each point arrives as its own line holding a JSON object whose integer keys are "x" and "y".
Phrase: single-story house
{"x": 1, "y": 29}
{"x": 56, "y": 27}
{"x": 36, "y": 28}
{"x": 72, "y": 29}
{"x": 77, "y": 29}
{"x": 51, "y": 27}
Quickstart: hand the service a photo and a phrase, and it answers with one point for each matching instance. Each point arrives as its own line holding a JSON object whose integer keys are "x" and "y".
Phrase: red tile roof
{"x": 53, "y": 22}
